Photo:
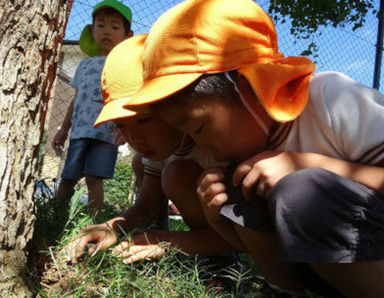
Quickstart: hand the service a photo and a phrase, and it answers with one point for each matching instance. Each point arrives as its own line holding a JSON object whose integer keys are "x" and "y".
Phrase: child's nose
{"x": 107, "y": 31}
{"x": 135, "y": 136}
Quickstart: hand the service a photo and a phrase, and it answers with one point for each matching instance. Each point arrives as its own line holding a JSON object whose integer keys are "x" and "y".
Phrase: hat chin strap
{"x": 248, "y": 107}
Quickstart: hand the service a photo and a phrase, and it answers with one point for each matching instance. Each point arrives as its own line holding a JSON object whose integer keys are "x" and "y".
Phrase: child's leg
{"x": 72, "y": 172}
{"x": 263, "y": 248}
{"x": 63, "y": 196}
{"x": 179, "y": 185}
{"x": 179, "y": 182}
{"x": 95, "y": 195}
{"x": 160, "y": 219}
{"x": 364, "y": 279}
{"x": 65, "y": 191}
{"x": 335, "y": 225}
{"x": 99, "y": 164}
{"x": 255, "y": 229}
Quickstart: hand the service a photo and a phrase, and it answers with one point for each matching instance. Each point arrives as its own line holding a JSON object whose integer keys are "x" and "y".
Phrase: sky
{"x": 340, "y": 49}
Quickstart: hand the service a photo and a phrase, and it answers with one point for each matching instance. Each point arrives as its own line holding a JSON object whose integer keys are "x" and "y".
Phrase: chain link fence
{"x": 339, "y": 49}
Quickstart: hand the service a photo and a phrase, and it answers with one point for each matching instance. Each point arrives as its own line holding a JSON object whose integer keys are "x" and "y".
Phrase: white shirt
{"x": 343, "y": 119}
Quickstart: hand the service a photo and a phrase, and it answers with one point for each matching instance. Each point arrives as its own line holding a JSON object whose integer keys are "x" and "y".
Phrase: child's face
{"x": 108, "y": 31}
{"x": 150, "y": 135}
{"x": 225, "y": 130}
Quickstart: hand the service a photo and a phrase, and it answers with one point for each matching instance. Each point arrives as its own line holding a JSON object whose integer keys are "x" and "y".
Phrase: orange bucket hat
{"x": 199, "y": 37}
{"x": 122, "y": 76}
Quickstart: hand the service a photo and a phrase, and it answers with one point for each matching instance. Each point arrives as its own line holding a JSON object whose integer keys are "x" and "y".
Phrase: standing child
{"x": 306, "y": 195}
{"x": 92, "y": 153}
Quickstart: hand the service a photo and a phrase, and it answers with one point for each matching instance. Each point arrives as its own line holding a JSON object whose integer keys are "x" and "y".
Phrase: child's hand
{"x": 103, "y": 236}
{"x": 59, "y": 139}
{"x": 261, "y": 172}
{"x": 211, "y": 192}
{"x": 140, "y": 247}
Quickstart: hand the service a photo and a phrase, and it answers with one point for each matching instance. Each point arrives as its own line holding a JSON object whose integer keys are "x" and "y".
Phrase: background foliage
{"x": 308, "y": 16}
{"x": 119, "y": 189}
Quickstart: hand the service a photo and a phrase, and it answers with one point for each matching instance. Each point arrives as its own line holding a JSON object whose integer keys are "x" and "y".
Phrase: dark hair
{"x": 217, "y": 85}
{"x": 107, "y": 11}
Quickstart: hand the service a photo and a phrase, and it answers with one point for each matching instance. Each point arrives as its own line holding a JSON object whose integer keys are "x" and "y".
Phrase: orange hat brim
{"x": 121, "y": 77}
{"x": 114, "y": 110}
{"x": 160, "y": 88}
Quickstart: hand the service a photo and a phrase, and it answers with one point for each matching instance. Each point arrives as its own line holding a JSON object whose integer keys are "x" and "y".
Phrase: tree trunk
{"x": 31, "y": 34}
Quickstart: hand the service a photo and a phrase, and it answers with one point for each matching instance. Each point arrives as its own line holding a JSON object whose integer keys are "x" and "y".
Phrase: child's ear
{"x": 249, "y": 95}
{"x": 129, "y": 34}
{"x": 246, "y": 90}
{"x": 244, "y": 86}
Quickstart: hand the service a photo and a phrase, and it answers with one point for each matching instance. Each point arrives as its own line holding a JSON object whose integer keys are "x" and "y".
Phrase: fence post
{"x": 379, "y": 47}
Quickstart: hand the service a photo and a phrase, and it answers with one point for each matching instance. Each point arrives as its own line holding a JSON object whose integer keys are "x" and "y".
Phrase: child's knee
{"x": 302, "y": 196}
{"x": 67, "y": 184}
{"x": 180, "y": 176}
{"x": 93, "y": 181}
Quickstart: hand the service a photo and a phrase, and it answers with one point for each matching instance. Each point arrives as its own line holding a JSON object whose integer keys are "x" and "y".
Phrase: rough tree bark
{"x": 31, "y": 34}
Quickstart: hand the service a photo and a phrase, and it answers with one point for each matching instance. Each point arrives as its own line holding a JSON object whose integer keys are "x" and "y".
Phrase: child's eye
{"x": 144, "y": 120}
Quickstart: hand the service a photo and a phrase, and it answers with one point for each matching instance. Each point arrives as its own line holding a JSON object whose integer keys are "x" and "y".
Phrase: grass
{"x": 175, "y": 275}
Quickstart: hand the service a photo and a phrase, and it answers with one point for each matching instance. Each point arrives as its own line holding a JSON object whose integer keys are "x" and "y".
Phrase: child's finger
{"x": 212, "y": 171}
{"x": 209, "y": 177}
{"x": 75, "y": 250}
{"x": 218, "y": 200}
{"x": 262, "y": 190}
{"x": 250, "y": 181}
{"x": 100, "y": 246}
{"x": 140, "y": 252}
{"x": 120, "y": 248}
{"x": 78, "y": 244}
{"x": 241, "y": 171}
{"x": 94, "y": 249}
{"x": 213, "y": 190}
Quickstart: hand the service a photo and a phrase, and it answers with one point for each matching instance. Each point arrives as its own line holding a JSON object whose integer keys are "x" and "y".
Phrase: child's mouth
{"x": 106, "y": 40}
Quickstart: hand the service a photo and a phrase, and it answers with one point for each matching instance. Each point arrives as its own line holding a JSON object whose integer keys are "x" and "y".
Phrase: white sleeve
{"x": 152, "y": 167}
{"x": 356, "y": 116}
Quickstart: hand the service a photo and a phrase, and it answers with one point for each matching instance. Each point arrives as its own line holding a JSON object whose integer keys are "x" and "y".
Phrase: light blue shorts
{"x": 89, "y": 157}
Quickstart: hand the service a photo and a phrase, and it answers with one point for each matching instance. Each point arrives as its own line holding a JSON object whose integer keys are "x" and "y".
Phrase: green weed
{"x": 104, "y": 275}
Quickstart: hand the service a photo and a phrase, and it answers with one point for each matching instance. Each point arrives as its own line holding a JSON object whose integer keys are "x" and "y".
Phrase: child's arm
{"x": 150, "y": 244}
{"x": 148, "y": 204}
{"x": 266, "y": 169}
{"x": 61, "y": 136}
{"x": 155, "y": 243}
